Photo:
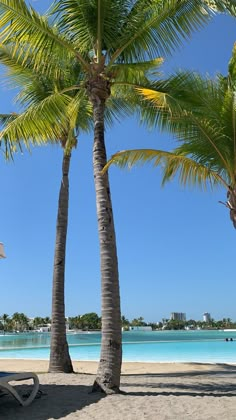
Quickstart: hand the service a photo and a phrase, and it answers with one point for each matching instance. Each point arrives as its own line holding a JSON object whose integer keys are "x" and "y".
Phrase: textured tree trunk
{"x": 109, "y": 369}
{"x": 232, "y": 204}
{"x": 59, "y": 353}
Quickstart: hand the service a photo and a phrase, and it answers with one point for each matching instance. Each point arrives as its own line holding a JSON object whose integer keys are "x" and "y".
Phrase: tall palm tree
{"x": 59, "y": 352}
{"x": 16, "y": 318}
{"x": 201, "y": 114}
{"x": 37, "y": 91}
{"x": 116, "y": 44}
{"x": 5, "y": 319}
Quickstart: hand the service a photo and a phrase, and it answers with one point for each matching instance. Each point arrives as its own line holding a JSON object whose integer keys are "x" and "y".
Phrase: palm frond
{"x": 7, "y": 147}
{"x": 79, "y": 112}
{"x": 198, "y": 112}
{"x": 136, "y": 72}
{"x": 157, "y": 28}
{"x": 124, "y": 100}
{"x": 21, "y": 72}
{"x": 40, "y": 123}
{"x": 6, "y": 118}
{"x": 118, "y": 108}
{"x": 232, "y": 66}
{"x": 15, "y": 73}
{"x": 223, "y": 6}
{"x": 171, "y": 164}
{"x": 30, "y": 33}
{"x": 79, "y": 19}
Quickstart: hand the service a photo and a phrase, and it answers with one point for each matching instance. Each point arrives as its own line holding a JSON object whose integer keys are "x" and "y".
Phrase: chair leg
{"x": 15, "y": 394}
{"x": 33, "y": 394}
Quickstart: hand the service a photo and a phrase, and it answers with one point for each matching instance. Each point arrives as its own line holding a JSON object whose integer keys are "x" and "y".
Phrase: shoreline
{"x": 132, "y": 368}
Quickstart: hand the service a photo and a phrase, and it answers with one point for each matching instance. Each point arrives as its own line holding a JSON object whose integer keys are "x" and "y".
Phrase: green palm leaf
{"x": 171, "y": 163}
{"x": 200, "y": 113}
{"x": 7, "y": 147}
{"x": 80, "y": 18}
{"x": 157, "y": 27}
{"x": 136, "y": 72}
{"x": 28, "y": 32}
{"x": 40, "y": 123}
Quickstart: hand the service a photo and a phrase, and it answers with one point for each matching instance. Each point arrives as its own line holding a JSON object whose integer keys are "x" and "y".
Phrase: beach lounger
{"x": 7, "y": 377}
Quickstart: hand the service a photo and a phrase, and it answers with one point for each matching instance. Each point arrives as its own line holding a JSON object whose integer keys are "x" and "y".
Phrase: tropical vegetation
{"x": 20, "y": 322}
{"x": 201, "y": 114}
{"x": 89, "y": 321}
{"x": 117, "y": 45}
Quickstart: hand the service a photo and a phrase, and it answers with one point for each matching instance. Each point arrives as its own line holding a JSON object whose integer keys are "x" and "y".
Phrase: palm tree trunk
{"x": 59, "y": 353}
{"x": 231, "y": 196}
{"x": 109, "y": 369}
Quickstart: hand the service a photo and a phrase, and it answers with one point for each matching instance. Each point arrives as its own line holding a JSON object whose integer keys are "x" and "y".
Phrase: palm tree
{"x": 38, "y": 320}
{"x": 37, "y": 92}
{"x": 5, "y": 319}
{"x": 59, "y": 351}
{"x": 116, "y": 44}
{"x": 201, "y": 113}
{"x": 47, "y": 320}
{"x": 24, "y": 321}
{"x": 16, "y": 318}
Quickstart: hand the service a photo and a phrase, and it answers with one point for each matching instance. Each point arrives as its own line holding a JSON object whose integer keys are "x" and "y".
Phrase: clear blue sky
{"x": 176, "y": 247}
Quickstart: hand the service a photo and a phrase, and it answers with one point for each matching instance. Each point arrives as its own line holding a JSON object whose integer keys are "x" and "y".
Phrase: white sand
{"x": 155, "y": 391}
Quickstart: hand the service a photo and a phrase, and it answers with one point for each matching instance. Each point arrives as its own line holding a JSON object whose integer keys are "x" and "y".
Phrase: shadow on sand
{"x": 56, "y": 401}
{"x": 214, "y": 370}
{"x": 221, "y": 376}
{"x": 60, "y": 401}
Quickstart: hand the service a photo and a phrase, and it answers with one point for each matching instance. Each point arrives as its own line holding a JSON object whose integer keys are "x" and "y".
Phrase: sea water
{"x": 154, "y": 346}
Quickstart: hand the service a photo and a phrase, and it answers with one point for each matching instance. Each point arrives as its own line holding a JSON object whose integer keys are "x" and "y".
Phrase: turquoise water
{"x": 155, "y": 346}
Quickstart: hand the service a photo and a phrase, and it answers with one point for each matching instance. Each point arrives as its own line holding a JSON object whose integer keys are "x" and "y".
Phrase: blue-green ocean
{"x": 154, "y": 346}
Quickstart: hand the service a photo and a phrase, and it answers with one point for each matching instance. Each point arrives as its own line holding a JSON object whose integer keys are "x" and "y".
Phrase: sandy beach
{"x": 155, "y": 391}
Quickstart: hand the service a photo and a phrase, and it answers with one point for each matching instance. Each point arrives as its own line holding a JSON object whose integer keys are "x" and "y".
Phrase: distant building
{"x": 44, "y": 329}
{"x": 178, "y": 316}
{"x": 206, "y": 317}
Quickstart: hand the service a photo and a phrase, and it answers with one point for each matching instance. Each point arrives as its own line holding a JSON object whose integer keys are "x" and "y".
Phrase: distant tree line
{"x": 192, "y": 324}
{"x": 91, "y": 321}
{"x": 21, "y": 322}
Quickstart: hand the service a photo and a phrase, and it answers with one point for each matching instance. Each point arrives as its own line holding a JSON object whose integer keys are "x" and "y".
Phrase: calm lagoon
{"x": 156, "y": 346}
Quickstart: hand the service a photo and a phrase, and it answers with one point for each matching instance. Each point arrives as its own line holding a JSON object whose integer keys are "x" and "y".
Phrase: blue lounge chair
{"x": 7, "y": 377}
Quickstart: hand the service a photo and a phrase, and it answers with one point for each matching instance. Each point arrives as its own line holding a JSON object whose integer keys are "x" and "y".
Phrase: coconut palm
{"x": 115, "y": 43}
{"x": 37, "y": 321}
{"x": 4, "y": 319}
{"x": 16, "y": 318}
{"x": 37, "y": 92}
{"x": 59, "y": 352}
{"x": 201, "y": 114}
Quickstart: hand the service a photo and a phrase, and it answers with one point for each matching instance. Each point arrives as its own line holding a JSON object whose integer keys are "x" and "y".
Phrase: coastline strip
{"x": 90, "y": 367}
